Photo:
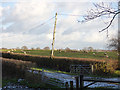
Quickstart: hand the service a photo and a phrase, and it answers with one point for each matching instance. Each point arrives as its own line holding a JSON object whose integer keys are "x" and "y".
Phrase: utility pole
{"x": 52, "y": 55}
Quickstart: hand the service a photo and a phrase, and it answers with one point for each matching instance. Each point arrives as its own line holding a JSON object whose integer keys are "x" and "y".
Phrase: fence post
{"x": 66, "y": 85}
{"x": 71, "y": 85}
{"x": 77, "y": 83}
{"x": 92, "y": 68}
{"x": 32, "y": 71}
{"x": 42, "y": 75}
{"x": 39, "y": 72}
{"x": 81, "y": 82}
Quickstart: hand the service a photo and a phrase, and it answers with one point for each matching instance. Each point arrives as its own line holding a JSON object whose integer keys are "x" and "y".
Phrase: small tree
{"x": 46, "y": 48}
{"x": 37, "y": 48}
{"x": 67, "y": 49}
{"x": 32, "y": 48}
{"x": 24, "y": 47}
{"x": 90, "y": 49}
{"x": 113, "y": 43}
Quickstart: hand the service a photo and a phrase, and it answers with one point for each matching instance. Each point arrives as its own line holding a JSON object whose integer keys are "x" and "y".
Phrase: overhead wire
{"x": 51, "y": 19}
{"x": 70, "y": 15}
{"x": 43, "y": 23}
{"x": 40, "y": 24}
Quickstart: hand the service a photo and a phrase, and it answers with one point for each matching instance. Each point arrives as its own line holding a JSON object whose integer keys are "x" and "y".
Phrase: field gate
{"x": 81, "y": 69}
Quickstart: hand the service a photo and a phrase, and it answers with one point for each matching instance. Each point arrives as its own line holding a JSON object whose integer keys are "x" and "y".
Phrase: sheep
{"x": 59, "y": 51}
{"x": 105, "y": 53}
{"x": 107, "y": 56}
{"x": 93, "y": 53}
{"x": 118, "y": 54}
{"x": 25, "y": 53}
{"x": 8, "y": 51}
{"x": 14, "y": 49}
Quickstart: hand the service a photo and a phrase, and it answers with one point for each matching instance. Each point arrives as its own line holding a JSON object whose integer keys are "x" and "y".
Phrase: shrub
{"x": 105, "y": 68}
{"x": 14, "y": 68}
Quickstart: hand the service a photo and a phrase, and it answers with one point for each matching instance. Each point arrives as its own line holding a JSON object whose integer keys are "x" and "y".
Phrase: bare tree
{"x": 24, "y": 47}
{"x": 32, "y": 48}
{"x": 46, "y": 48}
{"x": 101, "y": 9}
{"x": 38, "y": 48}
{"x": 90, "y": 49}
{"x": 67, "y": 49}
{"x": 114, "y": 43}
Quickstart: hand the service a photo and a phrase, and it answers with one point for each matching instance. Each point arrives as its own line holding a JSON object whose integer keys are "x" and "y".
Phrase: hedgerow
{"x": 63, "y": 63}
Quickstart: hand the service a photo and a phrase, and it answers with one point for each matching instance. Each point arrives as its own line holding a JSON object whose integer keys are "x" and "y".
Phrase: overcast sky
{"x": 21, "y": 24}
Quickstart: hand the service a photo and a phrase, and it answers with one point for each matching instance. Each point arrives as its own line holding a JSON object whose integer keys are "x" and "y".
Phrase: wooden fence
{"x": 81, "y": 83}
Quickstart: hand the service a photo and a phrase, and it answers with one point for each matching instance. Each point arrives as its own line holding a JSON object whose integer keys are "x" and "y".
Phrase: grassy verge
{"x": 52, "y": 71}
{"x": 115, "y": 74}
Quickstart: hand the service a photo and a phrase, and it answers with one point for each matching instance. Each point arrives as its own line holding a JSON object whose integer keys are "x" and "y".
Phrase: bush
{"x": 105, "y": 68}
{"x": 14, "y": 68}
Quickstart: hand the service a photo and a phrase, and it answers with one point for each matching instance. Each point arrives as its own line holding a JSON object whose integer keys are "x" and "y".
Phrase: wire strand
{"x": 70, "y": 15}
{"x": 44, "y": 22}
{"x": 41, "y": 24}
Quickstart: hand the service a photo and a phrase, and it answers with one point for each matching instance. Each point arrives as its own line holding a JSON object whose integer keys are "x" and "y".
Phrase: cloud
{"x": 22, "y": 23}
{"x": 26, "y": 15}
{"x": 1, "y": 9}
{"x": 18, "y": 40}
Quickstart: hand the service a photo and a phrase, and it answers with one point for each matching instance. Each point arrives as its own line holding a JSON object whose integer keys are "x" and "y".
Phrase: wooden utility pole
{"x": 52, "y": 55}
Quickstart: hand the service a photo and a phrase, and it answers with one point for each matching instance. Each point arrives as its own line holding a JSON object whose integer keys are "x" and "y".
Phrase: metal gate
{"x": 81, "y": 69}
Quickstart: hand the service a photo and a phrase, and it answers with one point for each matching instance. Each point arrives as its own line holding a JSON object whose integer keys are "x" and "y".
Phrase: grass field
{"x": 80, "y": 54}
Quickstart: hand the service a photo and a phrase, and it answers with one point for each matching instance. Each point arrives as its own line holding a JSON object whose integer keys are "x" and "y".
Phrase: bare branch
{"x": 110, "y": 22}
{"x": 101, "y": 10}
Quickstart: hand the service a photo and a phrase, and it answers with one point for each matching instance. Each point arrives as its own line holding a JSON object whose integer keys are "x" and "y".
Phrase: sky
{"x": 31, "y": 22}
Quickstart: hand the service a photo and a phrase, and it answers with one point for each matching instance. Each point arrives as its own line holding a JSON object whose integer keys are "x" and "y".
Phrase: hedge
{"x": 15, "y": 68}
{"x": 63, "y": 63}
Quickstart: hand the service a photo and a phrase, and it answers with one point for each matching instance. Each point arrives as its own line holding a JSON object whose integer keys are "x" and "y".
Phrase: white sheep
{"x": 93, "y": 53}
{"x": 118, "y": 54}
{"x": 105, "y": 53}
{"x": 8, "y": 51}
{"x": 25, "y": 53}
{"x": 14, "y": 49}
{"x": 107, "y": 56}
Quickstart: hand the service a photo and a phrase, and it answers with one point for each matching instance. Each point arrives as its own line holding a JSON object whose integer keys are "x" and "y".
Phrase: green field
{"x": 80, "y": 54}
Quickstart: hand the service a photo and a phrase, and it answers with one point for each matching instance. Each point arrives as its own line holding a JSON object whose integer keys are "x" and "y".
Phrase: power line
{"x": 70, "y": 15}
{"x": 40, "y": 24}
{"x": 43, "y": 23}
{"x": 51, "y": 19}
